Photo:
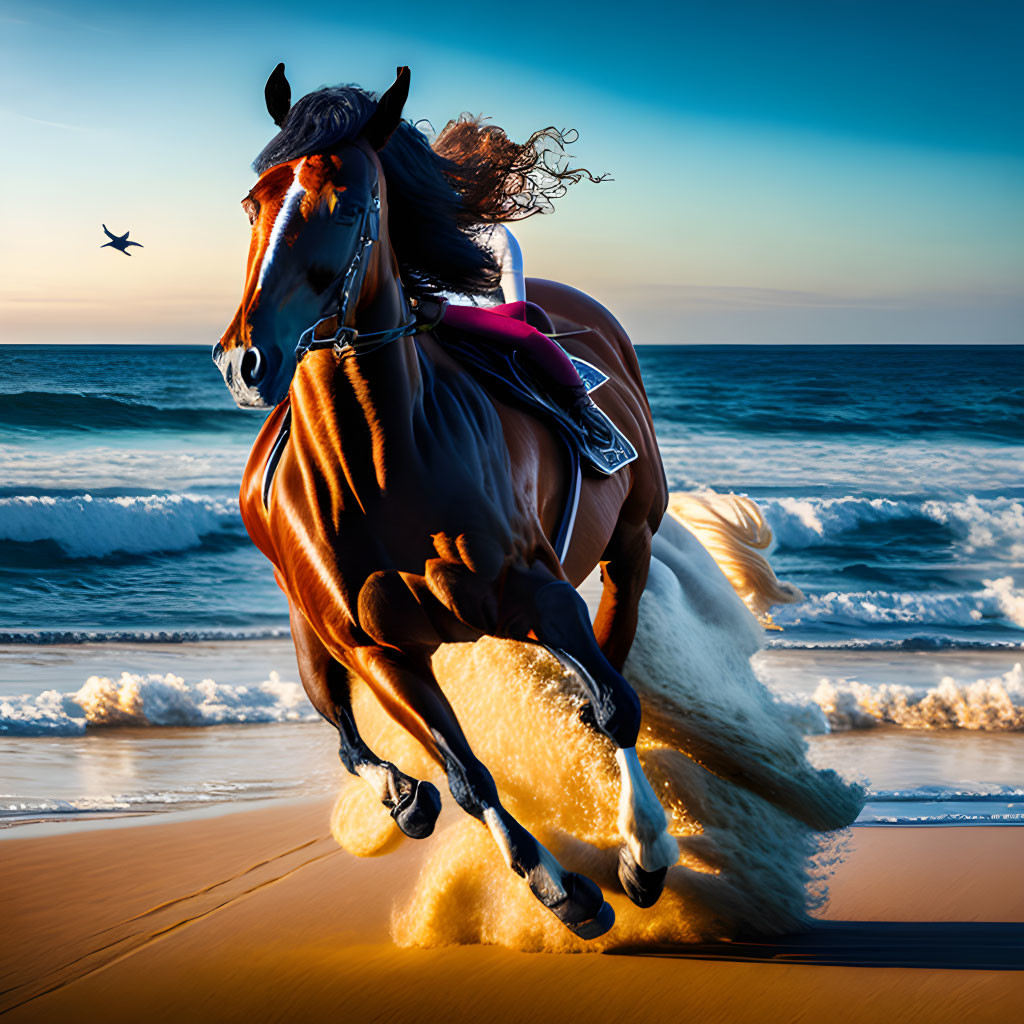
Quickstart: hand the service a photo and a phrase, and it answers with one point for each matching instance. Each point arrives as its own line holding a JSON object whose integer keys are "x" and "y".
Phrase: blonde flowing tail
{"x": 733, "y": 530}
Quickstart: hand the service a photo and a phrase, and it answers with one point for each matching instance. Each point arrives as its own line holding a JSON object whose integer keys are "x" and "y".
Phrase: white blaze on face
{"x": 291, "y": 198}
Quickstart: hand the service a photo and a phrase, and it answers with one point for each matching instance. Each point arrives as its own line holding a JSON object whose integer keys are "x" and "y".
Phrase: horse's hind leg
{"x": 413, "y": 804}
{"x": 623, "y": 576}
{"x": 559, "y": 619}
{"x": 410, "y": 694}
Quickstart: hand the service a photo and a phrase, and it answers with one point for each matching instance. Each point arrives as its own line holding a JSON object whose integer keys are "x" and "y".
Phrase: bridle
{"x": 347, "y": 285}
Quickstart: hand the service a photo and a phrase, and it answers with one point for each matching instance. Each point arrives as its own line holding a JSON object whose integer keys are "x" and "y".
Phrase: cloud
{"x": 43, "y": 121}
{"x": 741, "y": 299}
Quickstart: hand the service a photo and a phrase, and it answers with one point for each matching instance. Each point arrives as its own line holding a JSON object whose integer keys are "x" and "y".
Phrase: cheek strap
{"x": 349, "y": 284}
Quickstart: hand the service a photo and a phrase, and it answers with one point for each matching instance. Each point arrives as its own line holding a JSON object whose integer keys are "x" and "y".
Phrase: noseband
{"x": 348, "y": 284}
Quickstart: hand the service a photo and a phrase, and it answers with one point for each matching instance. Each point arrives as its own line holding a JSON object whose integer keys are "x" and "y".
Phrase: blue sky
{"x": 806, "y": 172}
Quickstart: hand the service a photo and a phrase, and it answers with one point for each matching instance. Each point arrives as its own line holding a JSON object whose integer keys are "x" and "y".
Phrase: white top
{"x": 506, "y": 251}
{"x": 510, "y": 257}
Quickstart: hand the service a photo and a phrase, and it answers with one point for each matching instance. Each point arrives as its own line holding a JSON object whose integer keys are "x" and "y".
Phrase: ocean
{"x": 144, "y": 656}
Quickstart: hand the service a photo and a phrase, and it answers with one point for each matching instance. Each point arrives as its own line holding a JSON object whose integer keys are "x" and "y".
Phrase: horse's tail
{"x": 734, "y": 531}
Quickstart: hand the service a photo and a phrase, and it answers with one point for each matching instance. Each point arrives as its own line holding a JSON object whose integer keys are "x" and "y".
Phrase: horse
{"x": 402, "y": 503}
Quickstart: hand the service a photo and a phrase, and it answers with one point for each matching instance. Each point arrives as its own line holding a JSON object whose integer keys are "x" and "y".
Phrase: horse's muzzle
{"x": 251, "y": 375}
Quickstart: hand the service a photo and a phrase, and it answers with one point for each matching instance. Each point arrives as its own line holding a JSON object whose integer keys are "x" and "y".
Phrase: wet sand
{"x": 258, "y": 916}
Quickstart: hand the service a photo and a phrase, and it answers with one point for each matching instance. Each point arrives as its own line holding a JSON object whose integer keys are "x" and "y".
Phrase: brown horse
{"x": 409, "y": 507}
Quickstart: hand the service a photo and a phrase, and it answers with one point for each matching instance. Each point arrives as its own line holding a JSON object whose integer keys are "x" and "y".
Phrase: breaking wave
{"x": 49, "y": 411}
{"x": 995, "y": 704}
{"x": 16, "y": 810}
{"x": 44, "y": 637}
{"x": 943, "y": 805}
{"x": 998, "y": 601}
{"x": 152, "y": 700}
{"x": 992, "y": 527}
{"x": 910, "y": 643}
{"x": 88, "y": 527}
{"x": 945, "y": 794}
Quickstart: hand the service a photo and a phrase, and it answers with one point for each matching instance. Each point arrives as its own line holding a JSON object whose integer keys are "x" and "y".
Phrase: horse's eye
{"x": 344, "y": 209}
{"x": 252, "y": 208}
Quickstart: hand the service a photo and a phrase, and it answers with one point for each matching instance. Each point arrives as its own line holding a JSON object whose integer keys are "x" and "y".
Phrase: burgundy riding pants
{"x": 516, "y": 324}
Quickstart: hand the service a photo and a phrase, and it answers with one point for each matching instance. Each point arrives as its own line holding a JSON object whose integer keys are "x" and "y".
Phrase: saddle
{"x": 492, "y": 348}
{"x": 490, "y": 353}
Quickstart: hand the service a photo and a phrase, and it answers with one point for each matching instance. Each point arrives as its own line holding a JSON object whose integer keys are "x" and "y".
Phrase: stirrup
{"x": 594, "y": 426}
{"x": 605, "y": 448}
{"x": 601, "y": 444}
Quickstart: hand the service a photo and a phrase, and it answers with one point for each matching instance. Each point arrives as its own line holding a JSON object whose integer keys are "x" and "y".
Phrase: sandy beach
{"x": 309, "y": 427}
{"x": 259, "y": 916}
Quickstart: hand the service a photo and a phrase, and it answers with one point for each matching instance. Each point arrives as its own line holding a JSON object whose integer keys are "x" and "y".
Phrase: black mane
{"x": 317, "y": 122}
{"x": 432, "y": 228}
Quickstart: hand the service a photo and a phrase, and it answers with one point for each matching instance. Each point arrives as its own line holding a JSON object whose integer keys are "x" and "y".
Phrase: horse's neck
{"x": 350, "y": 412}
{"x": 356, "y": 405}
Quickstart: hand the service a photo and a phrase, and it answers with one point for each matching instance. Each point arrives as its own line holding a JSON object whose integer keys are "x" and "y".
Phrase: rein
{"x": 348, "y": 284}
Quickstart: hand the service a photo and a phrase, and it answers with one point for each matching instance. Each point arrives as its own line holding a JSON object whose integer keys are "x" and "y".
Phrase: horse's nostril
{"x": 251, "y": 367}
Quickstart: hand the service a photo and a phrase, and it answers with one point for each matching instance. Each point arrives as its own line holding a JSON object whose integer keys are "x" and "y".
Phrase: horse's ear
{"x": 388, "y": 115}
{"x": 279, "y": 95}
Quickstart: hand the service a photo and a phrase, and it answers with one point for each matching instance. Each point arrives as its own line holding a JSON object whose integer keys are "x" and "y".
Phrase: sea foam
{"x": 998, "y": 600}
{"x": 944, "y": 805}
{"x": 994, "y": 704}
{"x": 43, "y": 637}
{"x": 152, "y": 700}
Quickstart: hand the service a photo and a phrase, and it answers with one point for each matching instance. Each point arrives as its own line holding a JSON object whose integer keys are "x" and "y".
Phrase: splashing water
{"x": 152, "y": 700}
{"x": 728, "y": 762}
{"x": 986, "y": 705}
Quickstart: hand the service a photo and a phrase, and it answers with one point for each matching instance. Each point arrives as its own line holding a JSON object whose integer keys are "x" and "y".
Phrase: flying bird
{"x": 119, "y": 242}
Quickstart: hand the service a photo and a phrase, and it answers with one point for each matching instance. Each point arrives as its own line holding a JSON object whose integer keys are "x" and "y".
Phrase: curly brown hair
{"x": 501, "y": 180}
{"x": 439, "y": 196}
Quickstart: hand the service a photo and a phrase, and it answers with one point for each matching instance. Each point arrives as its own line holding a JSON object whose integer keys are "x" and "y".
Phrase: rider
{"x": 557, "y": 375}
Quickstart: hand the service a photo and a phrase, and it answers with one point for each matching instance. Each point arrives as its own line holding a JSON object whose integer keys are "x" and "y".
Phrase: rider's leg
{"x": 528, "y": 312}
{"x": 408, "y": 691}
{"x": 543, "y": 356}
{"x": 562, "y": 382}
{"x": 558, "y": 617}
{"x": 413, "y": 804}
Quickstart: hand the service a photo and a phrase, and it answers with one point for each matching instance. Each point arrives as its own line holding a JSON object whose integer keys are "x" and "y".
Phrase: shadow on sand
{"x": 953, "y": 945}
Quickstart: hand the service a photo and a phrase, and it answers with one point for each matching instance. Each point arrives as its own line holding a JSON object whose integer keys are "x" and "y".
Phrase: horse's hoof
{"x": 642, "y": 887}
{"x": 416, "y": 814}
{"x": 576, "y": 901}
{"x": 595, "y": 926}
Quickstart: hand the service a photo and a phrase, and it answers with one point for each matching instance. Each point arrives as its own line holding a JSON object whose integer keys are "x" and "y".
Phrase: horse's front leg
{"x": 414, "y": 805}
{"x": 558, "y": 617}
{"x": 408, "y": 691}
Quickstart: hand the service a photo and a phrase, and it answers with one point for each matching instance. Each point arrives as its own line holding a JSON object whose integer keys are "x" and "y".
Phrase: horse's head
{"x": 313, "y": 219}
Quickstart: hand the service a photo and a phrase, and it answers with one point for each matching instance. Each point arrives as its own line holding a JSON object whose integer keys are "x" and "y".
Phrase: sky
{"x": 782, "y": 172}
